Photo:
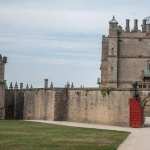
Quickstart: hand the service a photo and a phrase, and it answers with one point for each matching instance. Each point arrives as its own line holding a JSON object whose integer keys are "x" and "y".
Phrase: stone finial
{"x": 31, "y": 87}
{"x": 127, "y": 25}
{"x": 147, "y": 22}
{"x": 51, "y": 85}
{"x": 1, "y": 57}
{"x": 27, "y": 87}
{"x": 144, "y": 25}
{"x": 45, "y": 83}
{"x": 68, "y": 85}
{"x": 113, "y": 26}
{"x": 16, "y": 86}
{"x": 72, "y": 85}
{"x": 11, "y": 86}
{"x": 135, "y": 25}
{"x": 98, "y": 81}
{"x": 113, "y": 20}
{"x": 21, "y": 86}
{"x": 5, "y": 82}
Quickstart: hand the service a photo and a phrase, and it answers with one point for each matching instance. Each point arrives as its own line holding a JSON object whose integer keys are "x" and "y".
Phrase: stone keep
{"x": 3, "y": 61}
{"x": 126, "y": 54}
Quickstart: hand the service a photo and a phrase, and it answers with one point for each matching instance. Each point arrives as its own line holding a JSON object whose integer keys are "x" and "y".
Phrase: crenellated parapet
{"x": 114, "y": 26}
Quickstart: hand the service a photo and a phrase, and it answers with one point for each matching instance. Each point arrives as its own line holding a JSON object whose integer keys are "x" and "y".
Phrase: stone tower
{"x": 109, "y": 67}
{"x": 126, "y": 55}
{"x": 3, "y": 61}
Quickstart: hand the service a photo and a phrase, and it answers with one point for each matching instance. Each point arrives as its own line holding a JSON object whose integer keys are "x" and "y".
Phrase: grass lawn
{"x": 20, "y": 135}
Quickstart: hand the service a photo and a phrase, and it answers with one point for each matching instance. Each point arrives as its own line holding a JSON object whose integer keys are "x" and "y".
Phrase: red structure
{"x": 136, "y": 113}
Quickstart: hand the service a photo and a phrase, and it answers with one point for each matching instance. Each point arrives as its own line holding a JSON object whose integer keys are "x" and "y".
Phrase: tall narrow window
{"x": 148, "y": 65}
{"x": 112, "y": 51}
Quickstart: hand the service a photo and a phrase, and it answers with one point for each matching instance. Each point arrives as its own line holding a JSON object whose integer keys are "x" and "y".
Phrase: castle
{"x": 126, "y": 55}
{"x": 125, "y": 59}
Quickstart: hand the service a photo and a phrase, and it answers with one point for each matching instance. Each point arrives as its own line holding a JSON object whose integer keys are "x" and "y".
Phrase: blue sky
{"x": 59, "y": 39}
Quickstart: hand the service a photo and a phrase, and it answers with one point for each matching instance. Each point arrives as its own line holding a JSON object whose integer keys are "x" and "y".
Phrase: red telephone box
{"x": 136, "y": 113}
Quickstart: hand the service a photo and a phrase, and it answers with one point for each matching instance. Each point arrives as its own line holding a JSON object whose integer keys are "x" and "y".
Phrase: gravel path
{"x": 139, "y": 139}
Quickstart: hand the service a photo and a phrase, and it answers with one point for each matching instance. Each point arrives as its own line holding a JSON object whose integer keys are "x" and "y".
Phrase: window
{"x": 140, "y": 39}
{"x": 140, "y": 86}
{"x": 112, "y": 51}
{"x": 144, "y": 86}
{"x": 148, "y": 65}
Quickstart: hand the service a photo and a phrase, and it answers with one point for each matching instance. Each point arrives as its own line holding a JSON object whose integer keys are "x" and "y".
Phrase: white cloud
{"x": 59, "y": 36}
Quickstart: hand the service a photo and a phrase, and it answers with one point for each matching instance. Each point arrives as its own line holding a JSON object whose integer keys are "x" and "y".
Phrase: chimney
{"x": 144, "y": 26}
{"x": 135, "y": 25}
{"x": 127, "y": 25}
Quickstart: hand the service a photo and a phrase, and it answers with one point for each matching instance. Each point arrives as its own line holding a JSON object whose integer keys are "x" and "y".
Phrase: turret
{"x": 113, "y": 26}
{"x": 3, "y": 61}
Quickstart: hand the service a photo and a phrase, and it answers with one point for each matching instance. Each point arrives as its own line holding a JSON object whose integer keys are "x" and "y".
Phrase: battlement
{"x": 28, "y": 87}
{"x": 115, "y": 27}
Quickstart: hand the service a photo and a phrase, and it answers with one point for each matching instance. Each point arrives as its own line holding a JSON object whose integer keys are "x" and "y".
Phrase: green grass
{"x": 20, "y": 135}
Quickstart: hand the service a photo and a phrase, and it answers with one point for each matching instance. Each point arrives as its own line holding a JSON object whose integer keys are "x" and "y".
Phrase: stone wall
{"x": 39, "y": 104}
{"x": 61, "y": 104}
{"x": 91, "y": 106}
{"x": 79, "y": 105}
{"x": 14, "y": 104}
{"x": 2, "y": 101}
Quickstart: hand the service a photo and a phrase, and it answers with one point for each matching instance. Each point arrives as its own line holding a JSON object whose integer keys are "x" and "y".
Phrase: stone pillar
{"x": 144, "y": 26}
{"x": 51, "y": 86}
{"x": 147, "y": 27}
{"x": 135, "y": 25}
{"x": 127, "y": 25}
{"x": 45, "y": 83}
{"x": 21, "y": 86}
